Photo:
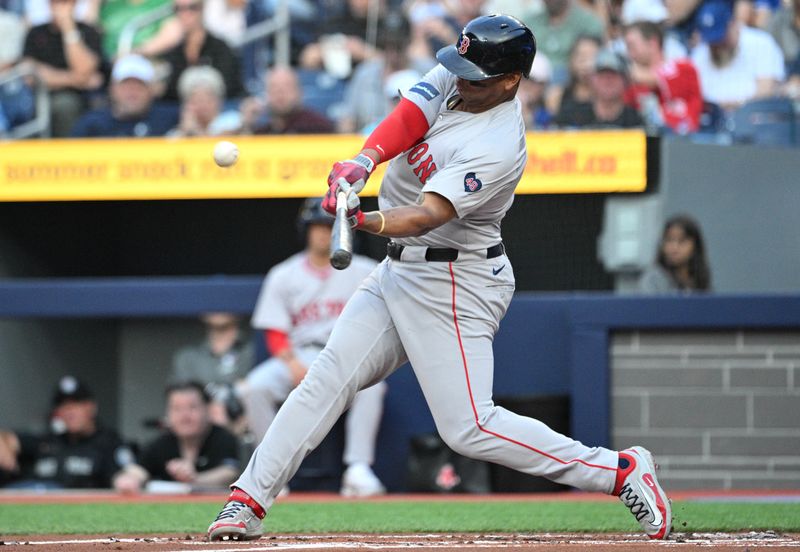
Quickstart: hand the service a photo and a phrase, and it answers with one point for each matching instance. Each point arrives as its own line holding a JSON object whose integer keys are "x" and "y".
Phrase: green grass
{"x": 390, "y": 517}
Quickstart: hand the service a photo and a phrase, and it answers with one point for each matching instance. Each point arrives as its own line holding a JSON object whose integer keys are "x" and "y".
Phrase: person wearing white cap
{"x": 132, "y": 111}
{"x": 532, "y": 92}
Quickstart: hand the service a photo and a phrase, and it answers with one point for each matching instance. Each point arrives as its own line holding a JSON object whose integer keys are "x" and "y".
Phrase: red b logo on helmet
{"x": 463, "y": 45}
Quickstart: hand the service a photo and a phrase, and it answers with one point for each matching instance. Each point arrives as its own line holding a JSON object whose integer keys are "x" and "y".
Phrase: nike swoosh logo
{"x": 497, "y": 271}
{"x": 648, "y": 480}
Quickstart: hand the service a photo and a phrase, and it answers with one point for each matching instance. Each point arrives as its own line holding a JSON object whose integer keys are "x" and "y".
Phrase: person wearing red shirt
{"x": 666, "y": 93}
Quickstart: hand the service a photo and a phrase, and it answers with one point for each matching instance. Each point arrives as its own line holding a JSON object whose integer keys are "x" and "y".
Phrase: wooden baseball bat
{"x": 342, "y": 236}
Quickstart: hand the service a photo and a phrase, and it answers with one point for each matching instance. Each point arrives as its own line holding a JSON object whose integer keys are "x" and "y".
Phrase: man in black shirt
{"x": 76, "y": 454}
{"x": 199, "y": 47}
{"x": 67, "y": 57}
{"x": 607, "y": 108}
{"x": 192, "y": 450}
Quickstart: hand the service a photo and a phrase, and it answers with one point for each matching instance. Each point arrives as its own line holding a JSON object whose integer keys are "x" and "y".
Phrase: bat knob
{"x": 341, "y": 259}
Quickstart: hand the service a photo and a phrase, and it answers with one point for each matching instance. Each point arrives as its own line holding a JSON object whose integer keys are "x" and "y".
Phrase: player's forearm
{"x": 400, "y": 222}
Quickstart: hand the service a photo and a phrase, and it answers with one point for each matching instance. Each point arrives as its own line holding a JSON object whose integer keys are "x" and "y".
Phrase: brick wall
{"x": 720, "y": 410}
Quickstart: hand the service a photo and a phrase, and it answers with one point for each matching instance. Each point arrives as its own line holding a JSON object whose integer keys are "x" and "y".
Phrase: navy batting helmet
{"x": 311, "y": 212}
{"x": 489, "y": 46}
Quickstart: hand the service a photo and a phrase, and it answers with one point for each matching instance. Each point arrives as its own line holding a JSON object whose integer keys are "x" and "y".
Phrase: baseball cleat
{"x": 240, "y": 519}
{"x": 638, "y": 489}
{"x": 359, "y": 481}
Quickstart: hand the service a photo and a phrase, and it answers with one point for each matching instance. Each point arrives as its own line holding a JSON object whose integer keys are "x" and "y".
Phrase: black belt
{"x": 441, "y": 254}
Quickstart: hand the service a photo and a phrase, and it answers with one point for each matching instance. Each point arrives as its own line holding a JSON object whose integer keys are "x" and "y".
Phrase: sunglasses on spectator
{"x": 196, "y": 7}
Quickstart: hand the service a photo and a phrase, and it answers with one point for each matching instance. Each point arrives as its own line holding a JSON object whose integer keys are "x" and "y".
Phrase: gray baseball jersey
{"x": 440, "y": 316}
{"x": 474, "y": 160}
{"x": 304, "y": 302}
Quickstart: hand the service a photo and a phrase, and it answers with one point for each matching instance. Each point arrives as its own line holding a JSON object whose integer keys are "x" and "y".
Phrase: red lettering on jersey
{"x": 313, "y": 312}
{"x": 417, "y": 152}
{"x": 426, "y": 167}
{"x": 424, "y": 170}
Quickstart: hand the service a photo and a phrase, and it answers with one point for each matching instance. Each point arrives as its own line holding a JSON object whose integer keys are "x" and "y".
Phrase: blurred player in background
{"x": 300, "y": 300}
{"x": 457, "y": 148}
{"x": 77, "y": 452}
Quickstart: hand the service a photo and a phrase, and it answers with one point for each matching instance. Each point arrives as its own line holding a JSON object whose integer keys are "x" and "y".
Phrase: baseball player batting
{"x": 299, "y": 302}
{"x": 456, "y": 151}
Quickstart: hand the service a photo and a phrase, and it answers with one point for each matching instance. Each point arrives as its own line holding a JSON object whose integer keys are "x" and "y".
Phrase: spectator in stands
{"x": 116, "y": 14}
{"x": 12, "y": 29}
{"x": 681, "y": 263}
{"x": 756, "y": 13}
{"x": 220, "y": 363}
{"x": 226, "y": 19}
{"x": 67, "y": 58}
{"x": 192, "y": 450}
{"x": 666, "y": 93}
{"x": 39, "y": 12}
{"x": 557, "y": 30}
{"x": 132, "y": 112}
{"x": 607, "y": 108}
{"x": 77, "y": 452}
{"x": 435, "y": 24}
{"x": 282, "y": 110}
{"x": 199, "y": 47}
{"x": 785, "y": 29}
{"x": 531, "y": 94}
{"x": 342, "y": 41}
{"x": 202, "y": 93}
{"x": 735, "y": 63}
{"x": 653, "y": 11}
{"x": 366, "y": 100}
{"x": 578, "y": 88}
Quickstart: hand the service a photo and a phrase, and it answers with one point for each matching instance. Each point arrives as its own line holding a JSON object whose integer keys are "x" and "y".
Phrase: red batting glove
{"x": 354, "y": 171}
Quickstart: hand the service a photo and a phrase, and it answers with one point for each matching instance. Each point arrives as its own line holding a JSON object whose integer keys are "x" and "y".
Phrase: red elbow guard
{"x": 401, "y": 129}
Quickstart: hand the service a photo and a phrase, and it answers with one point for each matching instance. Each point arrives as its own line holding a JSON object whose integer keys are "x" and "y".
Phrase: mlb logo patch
{"x": 425, "y": 89}
{"x": 471, "y": 182}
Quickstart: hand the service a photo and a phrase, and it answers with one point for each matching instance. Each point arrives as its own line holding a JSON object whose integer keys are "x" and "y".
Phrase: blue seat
{"x": 321, "y": 91}
{"x": 766, "y": 122}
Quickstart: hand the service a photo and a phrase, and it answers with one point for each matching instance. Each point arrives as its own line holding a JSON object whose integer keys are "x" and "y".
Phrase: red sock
{"x": 239, "y": 495}
{"x": 625, "y": 466}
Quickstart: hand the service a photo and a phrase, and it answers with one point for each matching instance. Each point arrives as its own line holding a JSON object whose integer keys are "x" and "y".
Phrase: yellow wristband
{"x": 383, "y": 222}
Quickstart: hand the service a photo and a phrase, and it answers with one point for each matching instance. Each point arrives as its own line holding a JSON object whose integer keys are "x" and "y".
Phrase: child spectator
{"x": 681, "y": 263}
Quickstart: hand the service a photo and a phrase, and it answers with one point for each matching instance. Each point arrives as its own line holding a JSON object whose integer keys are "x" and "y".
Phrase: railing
{"x": 40, "y": 124}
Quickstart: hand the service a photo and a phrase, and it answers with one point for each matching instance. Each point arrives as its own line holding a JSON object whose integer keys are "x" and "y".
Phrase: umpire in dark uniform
{"x": 76, "y": 453}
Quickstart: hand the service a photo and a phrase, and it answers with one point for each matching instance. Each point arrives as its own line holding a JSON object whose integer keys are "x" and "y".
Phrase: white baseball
{"x": 225, "y": 153}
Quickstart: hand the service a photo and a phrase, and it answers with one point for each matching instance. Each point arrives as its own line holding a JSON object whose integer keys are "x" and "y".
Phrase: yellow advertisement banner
{"x": 281, "y": 166}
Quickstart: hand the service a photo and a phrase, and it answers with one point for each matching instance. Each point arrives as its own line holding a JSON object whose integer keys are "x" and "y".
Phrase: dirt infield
{"x": 440, "y": 542}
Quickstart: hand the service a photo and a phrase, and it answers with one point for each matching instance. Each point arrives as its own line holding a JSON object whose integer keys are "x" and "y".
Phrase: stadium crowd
{"x": 183, "y": 68}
